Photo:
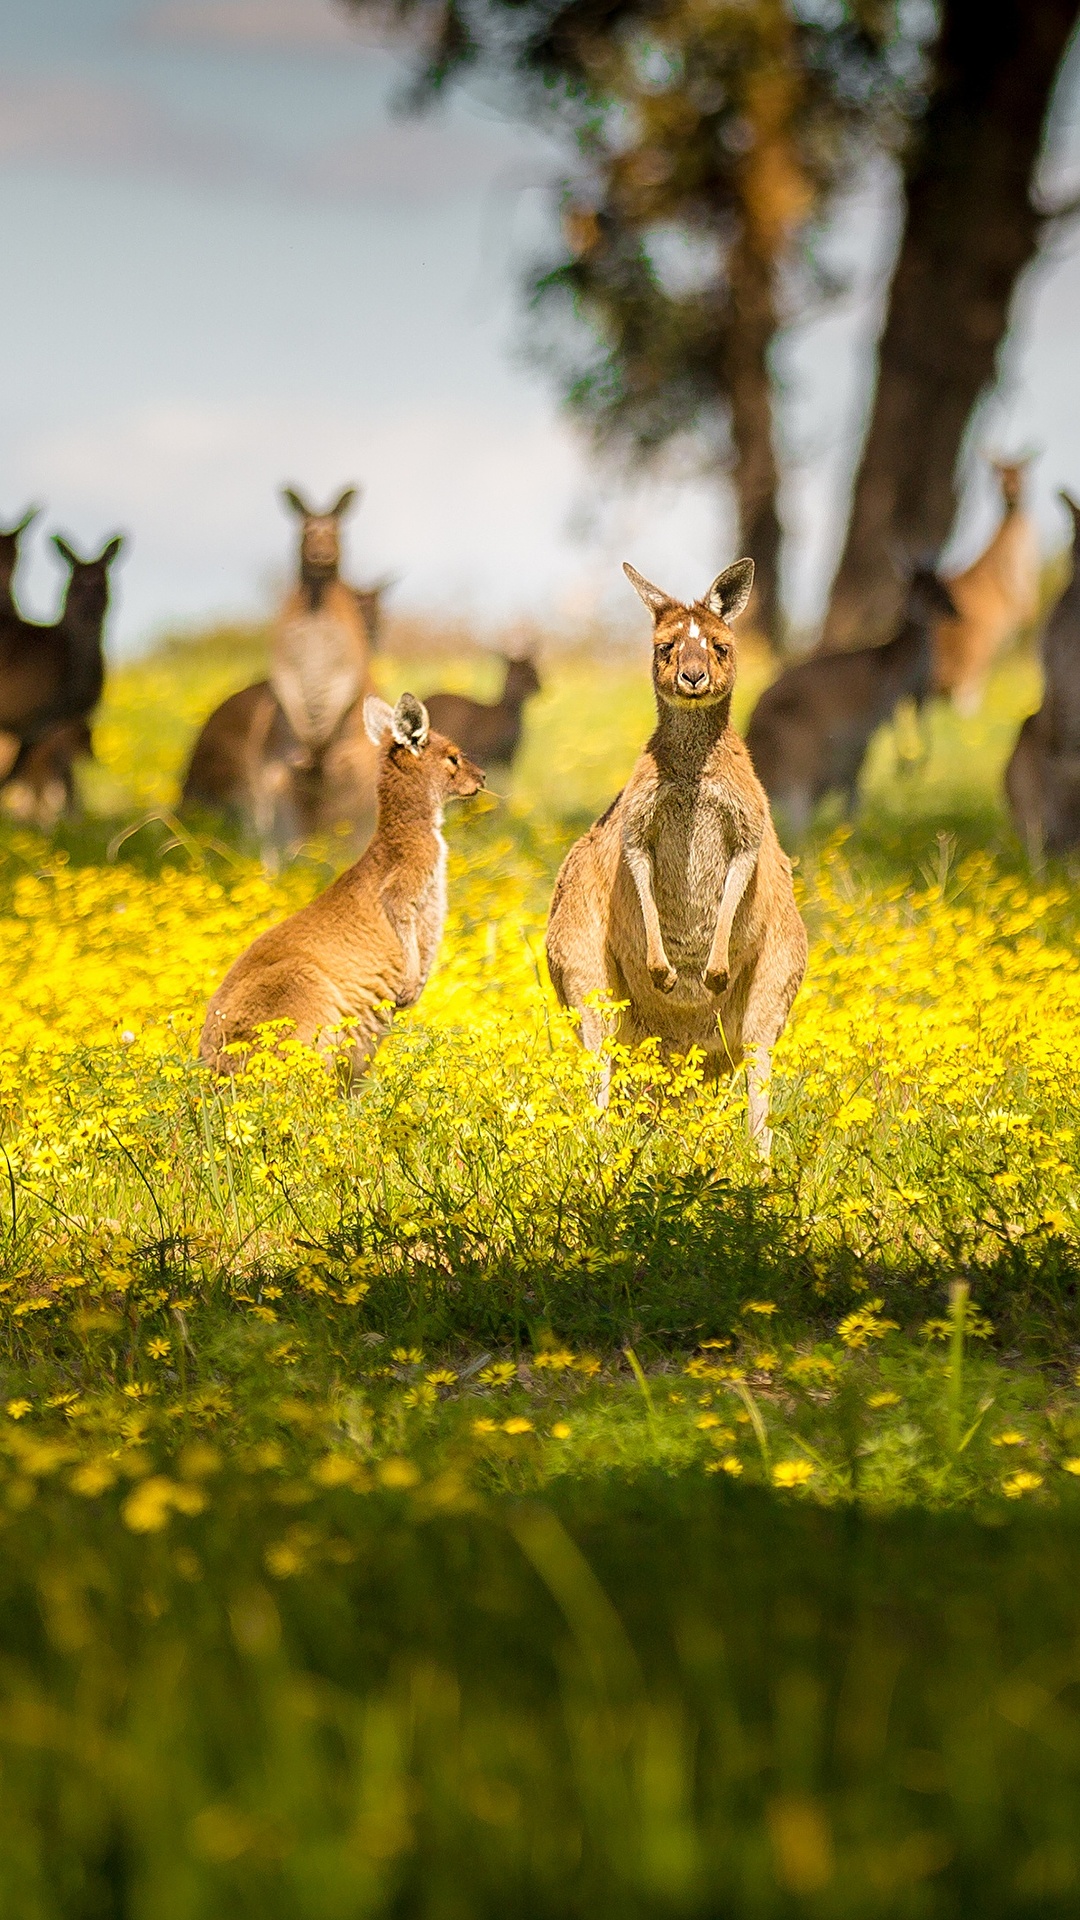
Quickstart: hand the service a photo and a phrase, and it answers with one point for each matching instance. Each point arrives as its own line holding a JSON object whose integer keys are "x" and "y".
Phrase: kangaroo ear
{"x": 108, "y": 553}
{"x": 410, "y": 723}
{"x": 30, "y": 514}
{"x": 652, "y": 596}
{"x": 294, "y": 500}
{"x": 730, "y": 591}
{"x": 344, "y": 503}
{"x": 378, "y": 719}
{"x": 64, "y": 550}
{"x": 1074, "y": 508}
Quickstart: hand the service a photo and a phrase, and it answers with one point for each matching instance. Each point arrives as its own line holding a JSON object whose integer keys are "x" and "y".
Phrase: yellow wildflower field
{"x": 172, "y": 1243}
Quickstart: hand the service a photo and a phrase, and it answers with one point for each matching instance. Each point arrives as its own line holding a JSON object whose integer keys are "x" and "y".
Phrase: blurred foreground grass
{"x": 457, "y": 1502}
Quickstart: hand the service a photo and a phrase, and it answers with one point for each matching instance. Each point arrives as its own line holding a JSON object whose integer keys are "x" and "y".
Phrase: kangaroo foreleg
{"x": 718, "y": 965}
{"x": 661, "y": 972}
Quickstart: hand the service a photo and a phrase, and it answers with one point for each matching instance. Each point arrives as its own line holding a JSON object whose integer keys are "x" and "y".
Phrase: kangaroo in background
{"x": 9, "y": 560}
{"x": 679, "y": 901}
{"x": 993, "y": 598}
{"x": 289, "y": 757}
{"x": 491, "y": 734}
{"x": 339, "y": 967}
{"x": 809, "y": 733}
{"x": 51, "y": 679}
{"x": 1042, "y": 779}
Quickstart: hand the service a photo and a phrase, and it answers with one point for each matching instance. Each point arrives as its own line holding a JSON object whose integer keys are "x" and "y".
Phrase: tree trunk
{"x": 756, "y": 479}
{"x": 970, "y": 231}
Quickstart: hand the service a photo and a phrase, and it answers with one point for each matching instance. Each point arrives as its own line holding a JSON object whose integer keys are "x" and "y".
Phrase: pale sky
{"x": 230, "y": 266}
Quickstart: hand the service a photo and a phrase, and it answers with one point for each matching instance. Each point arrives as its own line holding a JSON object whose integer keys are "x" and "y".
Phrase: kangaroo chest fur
{"x": 431, "y": 906}
{"x": 317, "y": 673}
{"x": 692, "y": 831}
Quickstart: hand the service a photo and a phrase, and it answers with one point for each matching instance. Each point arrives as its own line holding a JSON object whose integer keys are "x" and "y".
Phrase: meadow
{"x": 458, "y": 1501}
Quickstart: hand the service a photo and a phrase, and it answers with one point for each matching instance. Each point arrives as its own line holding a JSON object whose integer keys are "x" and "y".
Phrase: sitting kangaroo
{"x": 338, "y": 967}
{"x": 679, "y": 900}
{"x": 492, "y": 733}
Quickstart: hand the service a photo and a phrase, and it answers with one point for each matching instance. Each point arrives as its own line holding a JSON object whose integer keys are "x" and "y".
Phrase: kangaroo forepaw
{"x": 716, "y": 979}
{"x": 663, "y": 977}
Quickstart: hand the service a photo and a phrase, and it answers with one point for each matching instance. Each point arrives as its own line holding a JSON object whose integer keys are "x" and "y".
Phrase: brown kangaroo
{"x": 339, "y": 967}
{"x": 994, "y": 597}
{"x": 9, "y": 560}
{"x": 1042, "y": 779}
{"x": 679, "y": 900}
{"x": 41, "y": 788}
{"x": 289, "y": 756}
{"x": 809, "y": 733}
{"x": 491, "y": 734}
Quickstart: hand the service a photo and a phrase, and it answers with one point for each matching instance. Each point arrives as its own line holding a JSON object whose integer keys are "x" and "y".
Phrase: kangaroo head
{"x": 87, "y": 596}
{"x": 320, "y": 537}
{"x": 928, "y": 598}
{"x": 522, "y": 678}
{"x": 1011, "y": 475}
{"x": 1074, "y": 510}
{"x": 9, "y": 545}
{"x": 409, "y": 746}
{"x": 693, "y": 646}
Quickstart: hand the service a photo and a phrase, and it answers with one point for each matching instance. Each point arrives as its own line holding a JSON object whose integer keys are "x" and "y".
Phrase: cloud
{"x": 314, "y": 26}
{"x": 72, "y": 120}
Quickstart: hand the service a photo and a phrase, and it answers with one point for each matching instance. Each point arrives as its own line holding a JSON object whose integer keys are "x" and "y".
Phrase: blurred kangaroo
{"x": 290, "y": 756}
{"x": 1042, "y": 779}
{"x": 9, "y": 560}
{"x": 339, "y": 967}
{"x": 810, "y": 730}
{"x": 491, "y": 734}
{"x": 994, "y": 597}
{"x": 51, "y": 677}
{"x": 679, "y": 901}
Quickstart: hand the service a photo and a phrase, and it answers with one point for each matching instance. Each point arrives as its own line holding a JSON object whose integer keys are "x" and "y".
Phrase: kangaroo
{"x": 811, "y": 728}
{"x": 1042, "y": 779}
{"x": 339, "y": 967}
{"x": 679, "y": 901}
{"x": 289, "y": 757}
{"x": 492, "y": 734}
{"x": 52, "y": 674}
{"x": 41, "y": 787}
{"x": 995, "y": 596}
{"x": 9, "y": 560}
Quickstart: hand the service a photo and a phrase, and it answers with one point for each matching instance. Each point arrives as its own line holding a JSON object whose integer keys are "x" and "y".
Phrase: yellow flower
{"x": 883, "y": 1400}
{"x": 16, "y": 1409}
{"x": 1020, "y": 1483}
{"x": 560, "y": 1431}
{"x": 517, "y": 1423}
{"x": 1009, "y": 1437}
{"x": 1072, "y": 1466}
{"x": 730, "y": 1464}
{"x": 398, "y": 1473}
{"x": 792, "y": 1473}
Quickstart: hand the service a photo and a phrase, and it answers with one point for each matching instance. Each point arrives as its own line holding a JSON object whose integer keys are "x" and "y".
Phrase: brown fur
{"x": 809, "y": 733}
{"x": 338, "y": 967}
{"x": 52, "y": 674}
{"x": 491, "y": 734}
{"x": 289, "y": 757}
{"x": 40, "y": 787}
{"x": 1042, "y": 779}
{"x": 679, "y": 900}
{"x": 996, "y": 596}
{"x": 9, "y": 560}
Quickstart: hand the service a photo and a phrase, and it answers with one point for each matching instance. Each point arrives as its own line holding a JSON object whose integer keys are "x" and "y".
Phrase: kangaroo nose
{"x": 693, "y": 676}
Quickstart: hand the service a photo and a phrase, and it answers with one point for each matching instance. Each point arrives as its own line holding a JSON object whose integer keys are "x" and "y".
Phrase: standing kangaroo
{"x": 289, "y": 756}
{"x": 679, "y": 901}
{"x": 51, "y": 679}
{"x": 338, "y": 967}
{"x": 809, "y": 733}
{"x": 994, "y": 597}
{"x": 1042, "y": 779}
